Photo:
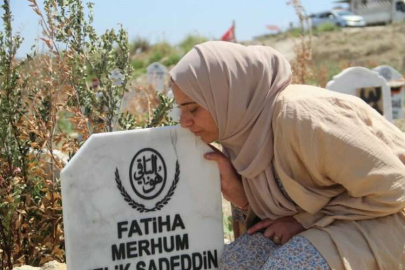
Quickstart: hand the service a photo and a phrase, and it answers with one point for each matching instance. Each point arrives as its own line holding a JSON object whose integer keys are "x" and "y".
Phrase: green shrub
{"x": 172, "y": 60}
{"x": 138, "y": 64}
{"x": 139, "y": 72}
{"x": 228, "y": 226}
{"x": 156, "y": 57}
{"x": 294, "y": 32}
{"x": 140, "y": 43}
{"x": 162, "y": 48}
{"x": 160, "y": 51}
{"x": 45, "y": 100}
{"x": 327, "y": 27}
{"x": 190, "y": 41}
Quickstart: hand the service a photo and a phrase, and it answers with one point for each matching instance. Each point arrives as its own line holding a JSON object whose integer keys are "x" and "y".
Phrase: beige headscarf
{"x": 238, "y": 85}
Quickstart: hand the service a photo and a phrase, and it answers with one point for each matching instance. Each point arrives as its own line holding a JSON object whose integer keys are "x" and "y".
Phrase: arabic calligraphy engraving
{"x": 148, "y": 173}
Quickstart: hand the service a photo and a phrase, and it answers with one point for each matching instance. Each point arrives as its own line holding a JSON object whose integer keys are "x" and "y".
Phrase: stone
{"x": 156, "y": 76}
{"x": 53, "y": 265}
{"x": 367, "y": 85}
{"x": 397, "y": 84}
{"x": 27, "y": 267}
{"x": 142, "y": 199}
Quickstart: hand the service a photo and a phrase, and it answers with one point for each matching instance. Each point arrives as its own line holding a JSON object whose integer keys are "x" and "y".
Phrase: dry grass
{"x": 301, "y": 65}
{"x": 334, "y": 51}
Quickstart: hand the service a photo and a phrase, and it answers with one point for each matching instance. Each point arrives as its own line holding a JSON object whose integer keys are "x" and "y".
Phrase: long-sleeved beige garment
{"x": 343, "y": 164}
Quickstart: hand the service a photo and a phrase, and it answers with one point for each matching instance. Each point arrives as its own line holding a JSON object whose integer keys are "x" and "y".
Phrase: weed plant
{"x": 301, "y": 65}
{"x": 48, "y": 109}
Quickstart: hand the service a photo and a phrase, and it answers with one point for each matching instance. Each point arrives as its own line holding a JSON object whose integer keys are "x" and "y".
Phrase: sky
{"x": 173, "y": 20}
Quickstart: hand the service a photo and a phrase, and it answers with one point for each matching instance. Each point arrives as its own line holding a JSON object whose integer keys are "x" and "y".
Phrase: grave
{"x": 142, "y": 199}
{"x": 396, "y": 82}
{"x": 156, "y": 76}
{"x": 367, "y": 85}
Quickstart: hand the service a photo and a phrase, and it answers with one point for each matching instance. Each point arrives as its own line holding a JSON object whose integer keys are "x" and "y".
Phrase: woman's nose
{"x": 185, "y": 120}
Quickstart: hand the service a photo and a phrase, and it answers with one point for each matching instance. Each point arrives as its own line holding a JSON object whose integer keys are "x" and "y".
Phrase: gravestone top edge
{"x": 392, "y": 73}
{"x": 350, "y": 71}
{"x": 94, "y": 137}
{"x": 155, "y": 65}
{"x": 75, "y": 157}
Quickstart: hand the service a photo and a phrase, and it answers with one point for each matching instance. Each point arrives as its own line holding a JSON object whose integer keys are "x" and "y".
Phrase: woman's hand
{"x": 280, "y": 230}
{"x": 231, "y": 184}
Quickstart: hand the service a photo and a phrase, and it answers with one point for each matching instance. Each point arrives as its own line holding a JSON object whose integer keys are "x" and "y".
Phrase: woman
{"x": 323, "y": 171}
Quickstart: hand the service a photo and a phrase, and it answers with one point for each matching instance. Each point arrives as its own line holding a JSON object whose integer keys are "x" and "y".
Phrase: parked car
{"x": 338, "y": 17}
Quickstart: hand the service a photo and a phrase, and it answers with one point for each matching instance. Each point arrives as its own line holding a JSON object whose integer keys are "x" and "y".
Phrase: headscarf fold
{"x": 239, "y": 85}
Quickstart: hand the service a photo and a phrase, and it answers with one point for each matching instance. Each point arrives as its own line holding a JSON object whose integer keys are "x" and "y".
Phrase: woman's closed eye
{"x": 194, "y": 110}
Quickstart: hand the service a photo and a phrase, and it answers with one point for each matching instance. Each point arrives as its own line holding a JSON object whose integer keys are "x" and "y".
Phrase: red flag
{"x": 229, "y": 35}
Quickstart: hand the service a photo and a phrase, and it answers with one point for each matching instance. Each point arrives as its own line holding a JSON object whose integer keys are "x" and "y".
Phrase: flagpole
{"x": 234, "y": 31}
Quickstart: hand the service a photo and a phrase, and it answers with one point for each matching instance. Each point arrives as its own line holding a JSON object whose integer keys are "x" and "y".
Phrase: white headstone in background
{"x": 144, "y": 199}
{"x": 367, "y": 85}
{"x": 397, "y": 82}
{"x": 176, "y": 111}
{"x": 126, "y": 99}
{"x": 156, "y": 76}
{"x": 131, "y": 102}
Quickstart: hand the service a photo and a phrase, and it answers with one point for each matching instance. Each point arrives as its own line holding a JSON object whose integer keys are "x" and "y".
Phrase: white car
{"x": 338, "y": 17}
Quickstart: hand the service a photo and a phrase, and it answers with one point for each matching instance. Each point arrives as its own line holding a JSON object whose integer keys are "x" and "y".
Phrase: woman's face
{"x": 194, "y": 117}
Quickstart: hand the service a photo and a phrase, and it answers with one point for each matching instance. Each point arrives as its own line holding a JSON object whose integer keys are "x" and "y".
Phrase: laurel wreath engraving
{"x": 140, "y": 207}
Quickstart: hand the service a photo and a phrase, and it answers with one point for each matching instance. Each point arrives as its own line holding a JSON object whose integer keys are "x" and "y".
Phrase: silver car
{"x": 338, "y": 17}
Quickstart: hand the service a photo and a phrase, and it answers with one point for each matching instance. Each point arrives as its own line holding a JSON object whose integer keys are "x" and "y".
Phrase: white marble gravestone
{"x": 156, "y": 76}
{"x": 367, "y": 85}
{"x": 143, "y": 199}
{"x": 397, "y": 84}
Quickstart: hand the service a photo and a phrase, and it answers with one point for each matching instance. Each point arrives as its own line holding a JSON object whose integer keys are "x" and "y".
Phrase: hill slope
{"x": 368, "y": 46}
